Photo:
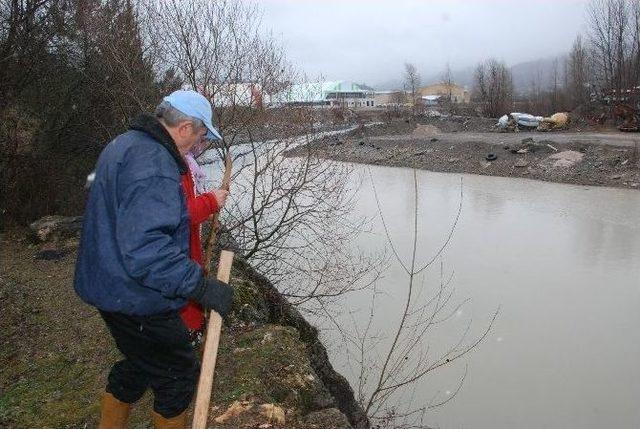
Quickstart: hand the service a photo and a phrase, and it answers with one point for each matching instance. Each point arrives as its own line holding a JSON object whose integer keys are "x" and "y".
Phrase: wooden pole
{"x": 211, "y": 240}
{"x": 205, "y": 384}
{"x": 214, "y": 324}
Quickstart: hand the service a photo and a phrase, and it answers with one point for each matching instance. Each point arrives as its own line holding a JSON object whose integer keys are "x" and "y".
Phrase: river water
{"x": 562, "y": 264}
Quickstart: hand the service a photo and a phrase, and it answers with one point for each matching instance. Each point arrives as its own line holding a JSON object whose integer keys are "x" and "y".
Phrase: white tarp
{"x": 522, "y": 119}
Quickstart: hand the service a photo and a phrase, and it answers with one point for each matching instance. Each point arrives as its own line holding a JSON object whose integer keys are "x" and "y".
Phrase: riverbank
{"x": 55, "y": 353}
{"x": 593, "y": 157}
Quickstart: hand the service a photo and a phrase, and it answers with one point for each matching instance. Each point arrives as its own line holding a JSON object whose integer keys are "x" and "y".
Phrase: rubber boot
{"x": 114, "y": 413}
{"x": 177, "y": 422}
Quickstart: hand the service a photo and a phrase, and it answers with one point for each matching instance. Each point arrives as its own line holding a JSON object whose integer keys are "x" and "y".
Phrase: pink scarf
{"x": 198, "y": 174}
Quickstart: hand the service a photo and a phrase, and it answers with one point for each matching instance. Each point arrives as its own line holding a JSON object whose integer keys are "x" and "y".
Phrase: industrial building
{"x": 442, "y": 91}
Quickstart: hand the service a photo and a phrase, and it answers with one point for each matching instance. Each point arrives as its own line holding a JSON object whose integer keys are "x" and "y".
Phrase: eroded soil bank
{"x": 585, "y": 157}
{"x": 55, "y": 353}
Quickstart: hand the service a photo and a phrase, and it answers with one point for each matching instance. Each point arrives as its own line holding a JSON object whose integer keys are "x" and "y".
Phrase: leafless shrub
{"x": 579, "y": 73}
{"x": 493, "y": 87}
{"x": 291, "y": 219}
{"x": 389, "y": 369}
{"x": 447, "y": 80}
{"x": 412, "y": 84}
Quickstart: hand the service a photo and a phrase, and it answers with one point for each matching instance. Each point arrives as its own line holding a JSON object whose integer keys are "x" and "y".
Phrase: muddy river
{"x": 562, "y": 265}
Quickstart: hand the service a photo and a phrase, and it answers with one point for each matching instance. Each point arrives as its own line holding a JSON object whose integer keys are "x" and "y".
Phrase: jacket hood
{"x": 150, "y": 125}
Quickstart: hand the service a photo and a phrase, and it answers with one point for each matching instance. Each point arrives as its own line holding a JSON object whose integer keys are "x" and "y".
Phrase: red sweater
{"x": 200, "y": 208}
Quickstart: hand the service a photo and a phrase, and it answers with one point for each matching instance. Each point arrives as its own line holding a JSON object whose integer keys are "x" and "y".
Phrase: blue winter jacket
{"x": 134, "y": 250}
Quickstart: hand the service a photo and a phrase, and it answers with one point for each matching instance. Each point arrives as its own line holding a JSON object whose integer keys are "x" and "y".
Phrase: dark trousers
{"x": 157, "y": 355}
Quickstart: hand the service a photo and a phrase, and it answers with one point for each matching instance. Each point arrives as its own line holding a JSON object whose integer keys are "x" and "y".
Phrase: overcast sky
{"x": 369, "y": 40}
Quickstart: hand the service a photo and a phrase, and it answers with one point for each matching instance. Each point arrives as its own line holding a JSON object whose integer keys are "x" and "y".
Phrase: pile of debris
{"x": 626, "y": 116}
{"x": 630, "y": 117}
{"x": 529, "y": 145}
{"x": 516, "y": 121}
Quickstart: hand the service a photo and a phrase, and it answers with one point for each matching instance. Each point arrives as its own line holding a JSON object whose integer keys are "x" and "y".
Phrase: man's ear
{"x": 184, "y": 129}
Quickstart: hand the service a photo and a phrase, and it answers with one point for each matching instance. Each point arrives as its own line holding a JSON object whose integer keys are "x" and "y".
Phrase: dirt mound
{"x": 567, "y": 158}
{"x": 529, "y": 145}
{"x": 426, "y": 130}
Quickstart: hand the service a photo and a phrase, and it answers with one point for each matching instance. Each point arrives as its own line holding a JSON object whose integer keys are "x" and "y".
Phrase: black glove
{"x": 214, "y": 294}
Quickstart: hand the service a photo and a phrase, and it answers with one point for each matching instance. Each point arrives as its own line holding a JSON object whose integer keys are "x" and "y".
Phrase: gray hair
{"x": 172, "y": 116}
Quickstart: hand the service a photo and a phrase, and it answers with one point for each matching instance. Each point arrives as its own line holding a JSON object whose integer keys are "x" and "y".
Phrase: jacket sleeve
{"x": 149, "y": 212}
{"x": 201, "y": 207}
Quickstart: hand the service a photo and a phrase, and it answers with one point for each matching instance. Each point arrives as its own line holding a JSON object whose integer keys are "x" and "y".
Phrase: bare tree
{"x": 493, "y": 87}
{"x": 397, "y": 101}
{"x": 447, "y": 80}
{"x": 635, "y": 42}
{"x": 388, "y": 369}
{"x": 555, "y": 86}
{"x": 578, "y": 73}
{"x": 412, "y": 84}
{"x": 287, "y": 214}
{"x": 613, "y": 34}
{"x": 291, "y": 221}
{"x": 600, "y": 21}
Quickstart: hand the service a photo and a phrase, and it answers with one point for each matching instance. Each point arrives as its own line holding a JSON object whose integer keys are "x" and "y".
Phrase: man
{"x": 133, "y": 261}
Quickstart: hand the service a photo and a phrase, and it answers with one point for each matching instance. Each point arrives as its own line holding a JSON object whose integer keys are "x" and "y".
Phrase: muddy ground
{"x": 587, "y": 156}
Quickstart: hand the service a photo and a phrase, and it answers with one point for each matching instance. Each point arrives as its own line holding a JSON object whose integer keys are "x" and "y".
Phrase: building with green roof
{"x": 337, "y": 93}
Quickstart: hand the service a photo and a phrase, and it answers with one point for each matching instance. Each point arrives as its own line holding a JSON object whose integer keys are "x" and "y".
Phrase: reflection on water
{"x": 562, "y": 262}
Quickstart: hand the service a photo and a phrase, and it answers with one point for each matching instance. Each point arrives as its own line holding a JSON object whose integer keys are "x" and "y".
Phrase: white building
{"x": 328, "y": 94}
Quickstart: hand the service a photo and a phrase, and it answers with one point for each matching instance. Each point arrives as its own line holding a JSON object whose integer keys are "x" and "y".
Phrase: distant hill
{"x": 462, "y": 77}
{"x": 388, "y": 85}
{"x": 524, "y": 74}
{"x": 540, "y": 72}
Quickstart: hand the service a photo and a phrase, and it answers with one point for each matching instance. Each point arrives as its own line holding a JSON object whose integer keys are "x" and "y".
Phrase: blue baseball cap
{"x": 195, "y": 105}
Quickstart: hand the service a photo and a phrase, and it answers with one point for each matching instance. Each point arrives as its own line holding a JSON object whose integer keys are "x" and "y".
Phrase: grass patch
{"x": 266, "y": 365}
{"x": 54, "y": 394}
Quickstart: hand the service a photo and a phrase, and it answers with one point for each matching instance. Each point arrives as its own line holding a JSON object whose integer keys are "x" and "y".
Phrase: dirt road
{"x": 607, "y": 138}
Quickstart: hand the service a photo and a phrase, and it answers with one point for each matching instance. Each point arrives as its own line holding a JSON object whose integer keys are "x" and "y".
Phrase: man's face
{"x": 189, "y": 135}
{"x": 202, "y": 146}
